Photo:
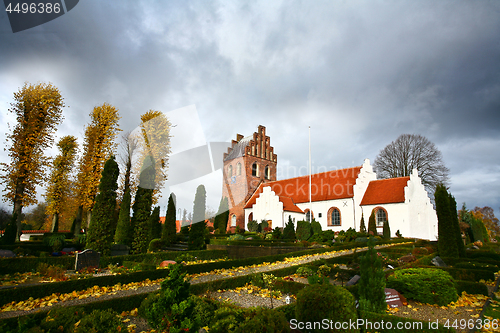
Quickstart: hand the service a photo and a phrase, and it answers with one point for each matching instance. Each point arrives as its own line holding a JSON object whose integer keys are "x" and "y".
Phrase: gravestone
{"x": 437, "y": 261}
{"x": 87, "y": 258}
{"x": 393, "y": 298}
{"x": 166, "y": 263}
{"x": 7, "y": 254}
{"x": 353, "y": 281}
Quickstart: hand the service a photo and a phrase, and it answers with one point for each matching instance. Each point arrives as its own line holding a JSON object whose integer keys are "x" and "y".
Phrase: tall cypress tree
{"x": 456, "y": 226}
{"x": 372, "y": 226}
{"x": 154, "y": 224}
{"x": 170, "y": 227}
{"x": 198, "y": 226}
{"x": 123, "y": 234}
{"x": 100, "y": 233}
{"x": 447, "y": 240}
{"x": 387, "y": 230}
{"x": 222, "y": 216}
{"x": 372, "y": 281}
{"x": 362, "y": 227}
{"x": 142, "y": 206}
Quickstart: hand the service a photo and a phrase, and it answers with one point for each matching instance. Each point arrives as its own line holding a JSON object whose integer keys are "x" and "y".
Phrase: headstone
{"x": 437, "y": 261}
{"x": 87, "y": 258}
{"x": 7, "y": 254}
{"x": 119, "y": 250}
{"x": 353, "y": 280}
{"x": 393, "y": 298}
{"x": 475, "y": 247}
{"x": 165, "y": 263}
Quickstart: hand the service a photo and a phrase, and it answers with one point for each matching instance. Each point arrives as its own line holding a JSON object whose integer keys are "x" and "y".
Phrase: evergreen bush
{"x": 100, "y": 321}
{"x": 100, "y": 233}
{"x": 447, "y": 238}
{"x": 123, "y": 233}
{"x": 314, "y": 303}
{"x": 426, "y": 285}
{"x": 252, "y": 226}
{"x": 170, "y": 226}
{"x": 155, "y": 226}
{"x": 197, "y": 231}
{"x": 222, "y": 216}
{"x": 372, "y": 226}
{"x": 262, "y": 319}
{"x": 387, "y": 230}
{"x": 316, "y": 227}
{"x": 277, "y": 233}
{"x": 289, "y": 230}
{"x": 9, "y": 236}
{"x": 303, "y": 231}
{"x": 372, "y": 281}
{"x": 362, "y": 227}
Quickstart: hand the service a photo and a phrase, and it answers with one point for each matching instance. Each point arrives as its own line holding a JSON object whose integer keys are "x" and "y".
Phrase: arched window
{"x": 255, "y": 170}
{"x": 233, "y": 221}
{"x": 230, "y": 171}
{"x": 334, "y": 217}
{"x": 308, "y": 215}
{"x": 267, "y": 172}
{"x": 238, "y": 169}
{"x": 380, "y": 216}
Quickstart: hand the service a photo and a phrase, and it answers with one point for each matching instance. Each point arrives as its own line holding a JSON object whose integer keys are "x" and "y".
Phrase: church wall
{"x": 397, "y": 215}
{"x": 345, "y": 207}
{"x": 268, "y": 207}
{"x": 366, "y": 175}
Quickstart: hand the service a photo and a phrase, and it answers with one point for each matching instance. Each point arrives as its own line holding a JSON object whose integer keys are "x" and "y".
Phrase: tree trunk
{"x": 55, "y": 223}
{"x": 78, "y": 220}
{"x": 89, "y": 217}
{"x": 18, "y": 208}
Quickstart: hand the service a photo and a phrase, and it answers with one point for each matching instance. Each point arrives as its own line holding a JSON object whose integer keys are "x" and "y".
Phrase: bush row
{"x": 254, "y": 242}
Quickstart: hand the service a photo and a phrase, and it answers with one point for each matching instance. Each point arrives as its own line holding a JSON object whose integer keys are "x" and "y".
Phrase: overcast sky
{"x": 360, "y": 73}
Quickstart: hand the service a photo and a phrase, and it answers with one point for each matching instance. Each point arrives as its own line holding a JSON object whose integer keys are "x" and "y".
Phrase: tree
{"x": 142, "y": 206}
{"x": 170, "y": 227}
{"x": 100, "y": 233}
{"x": 37, "y": 217}
{"x": 408, "y": 152}
{"x": 98, "y": 147}
{"x": 447, "y": 240}
{"x": 386, "y": 232}
{"x": 198, "y": 226}
{"x": 222, "y": 216}
{"x": 372, "y": 281}
{"x": 487, "y": 215}
{"x": 372, "y": 226}
{"x": 38, "y": 111}
{"x": 155, "y": 141}
{"x": 362, "y": 227}
{"x": 123, "y": 233}
{"x": 289, "y": 230}
{"x": 154, "y": 224}
{"x": 59, "y": 184}
{"x": 456, "y": 226}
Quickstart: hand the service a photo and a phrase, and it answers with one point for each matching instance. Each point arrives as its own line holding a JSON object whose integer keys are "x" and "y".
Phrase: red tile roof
{"x": 385, "y": 191}
{"x": 289, "y": 205}
{"x": 330, "y": 185}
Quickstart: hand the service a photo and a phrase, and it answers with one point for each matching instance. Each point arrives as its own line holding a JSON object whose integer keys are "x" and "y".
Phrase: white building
{"x": 339, "y": 199}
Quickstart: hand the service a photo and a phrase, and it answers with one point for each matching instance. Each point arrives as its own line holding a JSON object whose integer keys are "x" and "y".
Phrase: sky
{"x": 359, "y": 73}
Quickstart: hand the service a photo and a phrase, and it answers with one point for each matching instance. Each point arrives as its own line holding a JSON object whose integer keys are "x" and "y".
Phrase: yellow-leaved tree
{"x": 60, "y": 185}
{"x": 155, "y": 141}
{"x": 38, "y": 111}
{"x": 98, "y": 147}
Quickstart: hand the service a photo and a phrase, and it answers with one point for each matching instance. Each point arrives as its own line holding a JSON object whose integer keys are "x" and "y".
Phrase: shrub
{"x": 328, "y": 236}
{"x": 386, "y": 230}
{"x": 372, "y": 282}
{"x": 303, "y": 231}
{"x": 362, "y": 227}
{"x": 426, "y": 285}
{"x": 204, "y": 310}
{"x": 277, "y": 233}
{"x": 324, "y": 270}
{"x": 263, "y": 225}
{"x": 316, "y": 227}
{"x": 252, "y": 226}
{"x": 61, "y": 319}
{"x": 263, "y": 320}
{"x": 56, "y": 241}
{"x": 314, "y": 303}
{"x": 236, "y": 237}
{"x": 304, "y": 271}
{"x": 155, "y": 245}
{"x": 227, "y": 318}
{"x": 289, "y": 230}
{"x": 100, "y": 321}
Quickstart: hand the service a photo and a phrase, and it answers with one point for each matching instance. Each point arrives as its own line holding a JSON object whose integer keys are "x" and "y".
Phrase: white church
{"x": 338, "y": 200}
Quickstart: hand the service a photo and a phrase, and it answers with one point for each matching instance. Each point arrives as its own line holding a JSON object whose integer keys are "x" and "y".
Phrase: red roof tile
{"x": 385, "y": 191}
{"x": 289, "y": 205}
{"x": 330, "y": 185}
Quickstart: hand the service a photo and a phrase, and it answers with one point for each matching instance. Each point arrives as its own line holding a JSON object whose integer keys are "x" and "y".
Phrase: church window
{"x": 308, "y": 216}
{"x": 238, "y": 169}
{"x": 334, "y": 217}
{"x": 267, "y": 172}
{"x": 381, "y": 216}
{"x": 230, "y": 171}
{"x": 255, "y": 170}
{"x": 233, "y": 220}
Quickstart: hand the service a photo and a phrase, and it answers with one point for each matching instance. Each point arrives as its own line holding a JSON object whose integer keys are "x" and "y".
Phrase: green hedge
{"x": 471, "y": 287}
{"x": 468, "y": 274}
{"x": 412, "y": 324}
{"x": 254, "y": 242}
{"x": 482, "y": 254}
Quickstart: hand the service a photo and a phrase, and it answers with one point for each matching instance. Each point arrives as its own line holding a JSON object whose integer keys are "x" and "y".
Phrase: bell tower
{"x": 249, "y": 162}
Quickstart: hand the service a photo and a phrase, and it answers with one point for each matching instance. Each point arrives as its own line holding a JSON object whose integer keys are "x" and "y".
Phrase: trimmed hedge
{"x": 470, "y": 274}
{"x": 254, "y": 242}
{"x": 413, "y": 325}
{"x": 471, "y": 287}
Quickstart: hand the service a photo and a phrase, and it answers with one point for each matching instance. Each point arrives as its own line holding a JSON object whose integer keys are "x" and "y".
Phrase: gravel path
{"x": 200, "y": 279}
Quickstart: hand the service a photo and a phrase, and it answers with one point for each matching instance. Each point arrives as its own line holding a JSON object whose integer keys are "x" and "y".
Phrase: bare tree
{"x": 408, "y": 152}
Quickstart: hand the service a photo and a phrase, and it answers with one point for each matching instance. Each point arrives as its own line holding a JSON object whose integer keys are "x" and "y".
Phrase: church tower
{"x": 249, "y": 162}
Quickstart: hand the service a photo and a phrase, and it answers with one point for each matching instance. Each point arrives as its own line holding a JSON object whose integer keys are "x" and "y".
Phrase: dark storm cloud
{"x": 360, "y": 73}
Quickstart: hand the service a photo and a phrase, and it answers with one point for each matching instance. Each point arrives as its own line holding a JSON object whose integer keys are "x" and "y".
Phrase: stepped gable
{"x": 384, "y": 191}
{"x": 330, "y": 185}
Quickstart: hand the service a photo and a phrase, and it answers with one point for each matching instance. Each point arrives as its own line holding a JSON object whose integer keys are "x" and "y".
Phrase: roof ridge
{"x": 319, "y": 173}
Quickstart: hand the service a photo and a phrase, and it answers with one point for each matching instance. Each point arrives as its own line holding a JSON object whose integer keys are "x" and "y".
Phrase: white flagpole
{"x": 310, "y": 178}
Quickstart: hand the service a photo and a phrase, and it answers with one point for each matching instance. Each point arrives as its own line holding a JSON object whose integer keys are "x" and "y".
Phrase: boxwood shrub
{"x": 426, "y": 285}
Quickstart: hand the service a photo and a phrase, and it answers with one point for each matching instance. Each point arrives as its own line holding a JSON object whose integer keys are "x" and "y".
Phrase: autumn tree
{"x": 169, "y": 227}
{"x": 98, "y": 147}
{"x": 487, "y": 215}
{"x": 408, "y": 152}
{"x": 155, "y": 141}
{"x": 142, "y": 206}
{"x": 60, "y": 183}
{"x": 37, "y": 217}
{"x": 100, "y": 233}
{"x": 38, "y": 111}
{"x": 198, "y": 226}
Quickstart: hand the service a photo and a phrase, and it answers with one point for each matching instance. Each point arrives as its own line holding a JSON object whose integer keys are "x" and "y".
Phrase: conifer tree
{"x": 123, "y": 233}
{"x": 100, "y": 233}
{"x": 289, "y": 230}
{"x": 155, "y": 227}
{"x": 222, "y": 216}
{"x": 372, "y": 281}
{"x": 362, "y": 227}
{"x": 456, "y": 226}
{"x": 198, "y": 226}
{"x": 447, "y": 240}
{"x": 387, "y": 230}
{"x": 142, "y": 206}
{"x": 170, "y": 226}
{"x": 372, "y": 226}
